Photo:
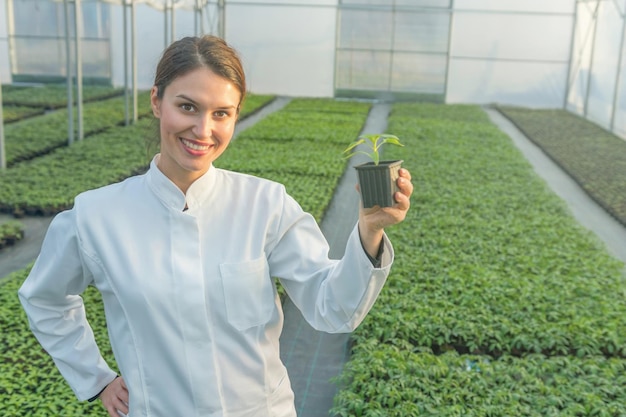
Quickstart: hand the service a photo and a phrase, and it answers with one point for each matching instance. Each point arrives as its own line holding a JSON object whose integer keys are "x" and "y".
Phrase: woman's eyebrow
{"x": 187, "y": 98}
{"x": 183, "y": 96}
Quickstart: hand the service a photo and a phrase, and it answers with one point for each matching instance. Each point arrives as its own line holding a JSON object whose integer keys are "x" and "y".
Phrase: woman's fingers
{"x": 115, "y": 397}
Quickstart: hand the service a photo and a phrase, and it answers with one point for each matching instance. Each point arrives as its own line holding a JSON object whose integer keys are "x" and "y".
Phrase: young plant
{"x": 374, "y": 142}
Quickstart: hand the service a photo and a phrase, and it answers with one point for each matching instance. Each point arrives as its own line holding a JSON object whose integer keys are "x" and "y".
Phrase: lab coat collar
{"x": 171, "y": 195}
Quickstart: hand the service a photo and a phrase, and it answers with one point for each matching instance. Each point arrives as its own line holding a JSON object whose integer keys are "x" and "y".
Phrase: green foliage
{"x": 36, "y": 136}
{"x": 15, "y": 113}
{"x": 499, "y": 303}
{"x": 374, "y": 143}
{"x": 49, "y": 183}
{"x": 10, "y": 233}
{"x": 53, "y": 96}
{"x": 492, "y": 269}
{"x": 383, "y": 380}
{"x": 253, "y": 103}
{"x": 594, "y": 157}
{"x": 30, "y": 384}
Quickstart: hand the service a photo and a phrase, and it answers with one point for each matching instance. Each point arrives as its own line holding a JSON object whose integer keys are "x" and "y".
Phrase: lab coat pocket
{"x": 248, "y": 293}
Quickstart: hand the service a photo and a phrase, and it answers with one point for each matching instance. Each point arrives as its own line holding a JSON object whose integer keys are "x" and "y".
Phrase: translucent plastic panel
{"x": 368, "y": 70}
{"x": 425, "y": 3}
{"x": 410, "y": 3}
{"x": 47, "y": 57}
{"x": 367, "y": 2}
{"x": 512, "y": 36}
{"x": 532, "y": 84}
{"x": 39, "y": 56}
{"x": 547, "y": 6}
{"x": 275, "y": 2}
{"x": 580, "y": 59}
{"x": 605, "y": 63}
{"x": 418, "y": 73}
{"x": 36, "y": 18}
{"x": 96, "y": 59}
{"x": 366, "y": 29}
{"x": 422, "y": 32}
{"x": 43, "y": 18}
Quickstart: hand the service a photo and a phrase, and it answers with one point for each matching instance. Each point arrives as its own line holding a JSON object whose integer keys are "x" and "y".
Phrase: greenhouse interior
{"x": 507, "y": 294}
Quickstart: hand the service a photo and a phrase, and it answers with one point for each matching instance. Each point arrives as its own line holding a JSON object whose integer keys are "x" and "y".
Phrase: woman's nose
{"x": 203, "y": 126}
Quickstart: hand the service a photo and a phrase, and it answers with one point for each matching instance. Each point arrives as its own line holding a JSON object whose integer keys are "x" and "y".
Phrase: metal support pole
{"x": 593, "y": 47}
{"x": 173, "y": 22}
{"x": 391, "y": 46}
{"x": 221, "y": 23}
{"x": 195, "y": 18}
{"x": 126, "y": 87}
{"x": 78, "y": 25}
{"x": 571, "y": 57}
{"x": 165, "y": 25}
{"x": 134, "y": 52}
{"x": 3, "y": 158}
{"x": 449, "y": 52}
{"x": 11, "y": 36}
{"x": 68, "y": 69}
{"x": 618, "y": 72}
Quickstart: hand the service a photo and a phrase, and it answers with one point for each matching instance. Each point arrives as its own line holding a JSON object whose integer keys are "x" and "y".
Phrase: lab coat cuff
{"x": 99, "y": 388}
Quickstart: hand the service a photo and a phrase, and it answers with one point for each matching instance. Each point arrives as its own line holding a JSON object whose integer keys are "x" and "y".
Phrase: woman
{"x": 184, "y": 257}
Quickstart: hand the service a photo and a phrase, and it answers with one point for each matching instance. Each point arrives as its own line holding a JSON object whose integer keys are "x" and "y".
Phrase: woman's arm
{"x": 50, "y": 296}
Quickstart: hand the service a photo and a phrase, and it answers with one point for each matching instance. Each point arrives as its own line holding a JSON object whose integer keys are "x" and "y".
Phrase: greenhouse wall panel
{"x": 605, "y": 65}
{"x": 538, "y": 85}
{"x": 512, "y": 36}
{"x": 293, "y": 56}
{"x": 152, "y": 35}
{"x": 535, "y": 6}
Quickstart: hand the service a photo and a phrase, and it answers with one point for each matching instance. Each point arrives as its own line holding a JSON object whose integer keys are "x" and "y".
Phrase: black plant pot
{"x": 378, "y": 182}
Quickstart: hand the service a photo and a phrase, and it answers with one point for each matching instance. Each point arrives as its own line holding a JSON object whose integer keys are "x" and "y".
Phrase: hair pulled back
{"x": 190, "y": 53}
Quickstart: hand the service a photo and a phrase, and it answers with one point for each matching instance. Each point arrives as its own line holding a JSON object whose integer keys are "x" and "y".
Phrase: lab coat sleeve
{"x": 50, "y": 296}
{"x": 334, "y": 296}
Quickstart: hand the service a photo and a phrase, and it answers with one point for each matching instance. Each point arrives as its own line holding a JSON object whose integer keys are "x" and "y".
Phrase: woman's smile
{"x": 195, "y": 147}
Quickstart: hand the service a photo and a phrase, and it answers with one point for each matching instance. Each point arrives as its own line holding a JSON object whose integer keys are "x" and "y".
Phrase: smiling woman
{"x": 185, "y": 258}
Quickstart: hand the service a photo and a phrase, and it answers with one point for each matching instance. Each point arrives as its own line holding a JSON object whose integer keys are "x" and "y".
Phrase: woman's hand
{"x": 372, "y": 221}
{"x": 115, "y": 397}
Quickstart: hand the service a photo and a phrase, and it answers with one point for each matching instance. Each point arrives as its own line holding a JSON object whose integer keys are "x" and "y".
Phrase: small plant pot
{"x": 378, "y": 182}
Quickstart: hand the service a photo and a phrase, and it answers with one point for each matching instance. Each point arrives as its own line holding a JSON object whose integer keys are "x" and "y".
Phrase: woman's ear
{"x": 155, "y": 102}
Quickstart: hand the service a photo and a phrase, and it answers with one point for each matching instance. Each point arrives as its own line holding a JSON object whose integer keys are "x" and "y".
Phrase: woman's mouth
{"x": 195, "y": 146}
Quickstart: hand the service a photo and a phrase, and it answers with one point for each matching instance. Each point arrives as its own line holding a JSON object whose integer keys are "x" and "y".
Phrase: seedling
{"x": 374, "y": 142}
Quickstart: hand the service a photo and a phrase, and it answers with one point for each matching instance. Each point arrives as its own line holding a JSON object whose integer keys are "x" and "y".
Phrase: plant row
{"x": 593, "y": 156}
{"x": 53, "y": 96}
{"x": 10, "y": 233}
{"x": 48, "y": 184}
{"x": 499, "y": 303}
{"x": 11, "y": 114}
{"x": 36, "y": 136}
{"x": 29, "y": 384}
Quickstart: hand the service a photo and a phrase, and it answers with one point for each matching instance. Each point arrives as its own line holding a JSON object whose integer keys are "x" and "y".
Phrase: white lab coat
{"x": 192, "y": 310}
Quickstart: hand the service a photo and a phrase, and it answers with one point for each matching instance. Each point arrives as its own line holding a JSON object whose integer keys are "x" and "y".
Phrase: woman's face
{"x": 197, "y": 115}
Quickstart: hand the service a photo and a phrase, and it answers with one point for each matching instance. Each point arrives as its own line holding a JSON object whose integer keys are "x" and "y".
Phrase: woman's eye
{"x": 221, "y": 114}
{"x": 187, "y": 107}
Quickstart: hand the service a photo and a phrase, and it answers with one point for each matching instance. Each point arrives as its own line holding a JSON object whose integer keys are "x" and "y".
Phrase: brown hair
{"x": 190, "y": 53}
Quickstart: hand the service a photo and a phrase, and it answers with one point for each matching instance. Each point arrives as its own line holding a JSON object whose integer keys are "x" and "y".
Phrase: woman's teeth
{"x": 195, "y": 146}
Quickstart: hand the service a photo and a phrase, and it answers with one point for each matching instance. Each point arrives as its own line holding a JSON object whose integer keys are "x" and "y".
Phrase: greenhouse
{"x": 506, "y": 294}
